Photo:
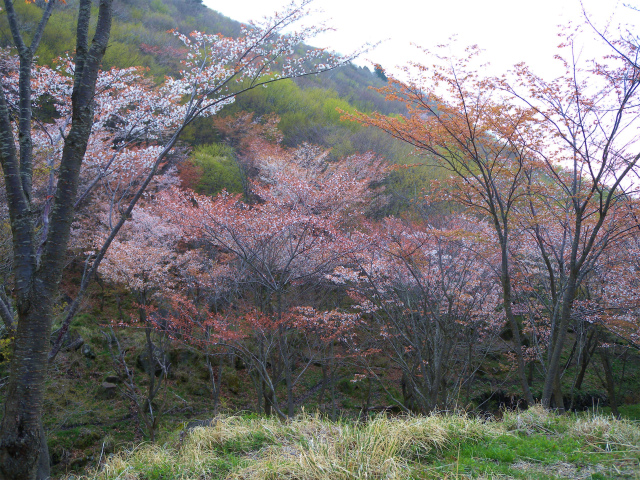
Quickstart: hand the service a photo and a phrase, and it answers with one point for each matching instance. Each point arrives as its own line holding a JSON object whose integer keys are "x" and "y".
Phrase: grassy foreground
{"x": 535, "y": 444}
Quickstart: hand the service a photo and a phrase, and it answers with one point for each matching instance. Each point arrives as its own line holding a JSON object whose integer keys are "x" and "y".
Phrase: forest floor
{"x": 535, "y": 444}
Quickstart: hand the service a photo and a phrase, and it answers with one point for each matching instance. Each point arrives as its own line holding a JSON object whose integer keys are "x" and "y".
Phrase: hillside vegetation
{"x": 308, "y": 108}
{"x": 141, "y": 37}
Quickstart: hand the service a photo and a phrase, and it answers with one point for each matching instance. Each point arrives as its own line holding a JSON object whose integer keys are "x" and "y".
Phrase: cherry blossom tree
{"x": 216, "y": 69}
{"x": 518, "y": 146}
{"x": 145, "y": 258}
{"x": 460, "y": 122}
{"x": 291, "y": 237}
{"x": 592, "y": 164}
{"x": 613, "y": 284}
{"x": 429, "y": 298}
{"x": 325, "y": 330}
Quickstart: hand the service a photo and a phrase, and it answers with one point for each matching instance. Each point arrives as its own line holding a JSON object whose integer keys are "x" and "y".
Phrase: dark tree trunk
{"x": 559, "y": 337}
{"x": 557, "y": 395}
{"x": 323, "y": 387}
{"x": 260, "y": 394}
{"x": 44, "y": 461}
{"x": 517, "y": 339}
{"x": 408, "y": 396}
{"x": 332, "y": 389}
{"x": 22, "y": 438}
{"x": 216, "y": 384}
{"x": 609, "y": 383}
{"x": 38, "y": 268}
{"x": 590, "y": 348}
{"x": 367, "y": 400}
{"x": 268, "y": 400}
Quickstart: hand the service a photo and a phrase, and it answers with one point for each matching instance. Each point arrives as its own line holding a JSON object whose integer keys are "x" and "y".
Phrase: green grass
{"x": 535, "y": 444}
{"x": 630, "y": 412}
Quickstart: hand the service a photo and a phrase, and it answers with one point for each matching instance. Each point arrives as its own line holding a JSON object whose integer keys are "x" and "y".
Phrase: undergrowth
{"x": 532, "y": 444}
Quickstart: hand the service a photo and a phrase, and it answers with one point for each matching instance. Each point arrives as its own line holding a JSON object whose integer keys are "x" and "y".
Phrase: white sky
{"x": 510, "y": 31}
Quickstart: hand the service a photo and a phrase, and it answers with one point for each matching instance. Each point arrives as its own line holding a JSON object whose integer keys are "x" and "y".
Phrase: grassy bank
{"x": 523, "y": 445}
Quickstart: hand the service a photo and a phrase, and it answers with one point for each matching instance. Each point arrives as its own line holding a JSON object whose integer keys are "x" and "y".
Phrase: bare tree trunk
{"x": 143, "y": 403}
{"x": 22, "y": 442}
{"x": 557, "y": 394}
{"x": 323, "y": 387}
{"x": 334, "y": 409}
{"x": 268, "y": 400}
{"x": 290, "y": 399}
{"x": 407, "y": 392}
{"x": 216, "y": 384}
{"x": 558, "y": 338}
{"x": 367, "y": 400}
{"x": 288, "y": 374}
{"x": 38, "y": 268}
{"x": 260, "y": 392}
{"x": 517, "y": 340}
{"x": 609, "y": 383}
{"x": 44, "y": 462}
{"x": 592, "y": 343}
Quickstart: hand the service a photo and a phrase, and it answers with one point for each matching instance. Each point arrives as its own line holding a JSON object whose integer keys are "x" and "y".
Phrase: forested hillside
{"x": 308, "y": 108}
{"x": 230, "y": 221}
{"x": 141, "y": 37}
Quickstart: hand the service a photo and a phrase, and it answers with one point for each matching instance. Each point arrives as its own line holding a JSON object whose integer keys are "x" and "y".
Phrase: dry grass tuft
{"x": 607, "y": 432}
{"x": 338, "y": 451}
{"x": 309, "y": 447}
{"x": 134, "y": 464}
{"x": 534, "y": 420}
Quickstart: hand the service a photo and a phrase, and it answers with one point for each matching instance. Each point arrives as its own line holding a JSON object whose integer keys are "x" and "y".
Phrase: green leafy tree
{"x": 219, "y": 169}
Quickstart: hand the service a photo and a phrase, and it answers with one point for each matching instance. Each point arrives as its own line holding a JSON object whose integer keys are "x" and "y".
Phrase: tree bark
{"x": 22, "y": 437}
{"x": 22, "y": 446}
{"x": 44, "y": 461}
{"x": 557, "y": 394}
{"x": 517, "y": 339}
{"x": 323, "y": 387}
{"x": 332, "y": 370}
{"x": 553, "y": 369}
{"x": 216, "y": 383}
{"x": 589, "y": 350}
{"x": 609, "y": 383}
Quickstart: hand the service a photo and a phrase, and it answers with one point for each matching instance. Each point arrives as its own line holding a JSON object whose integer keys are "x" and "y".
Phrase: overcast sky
{"x": 510, "y": 31}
